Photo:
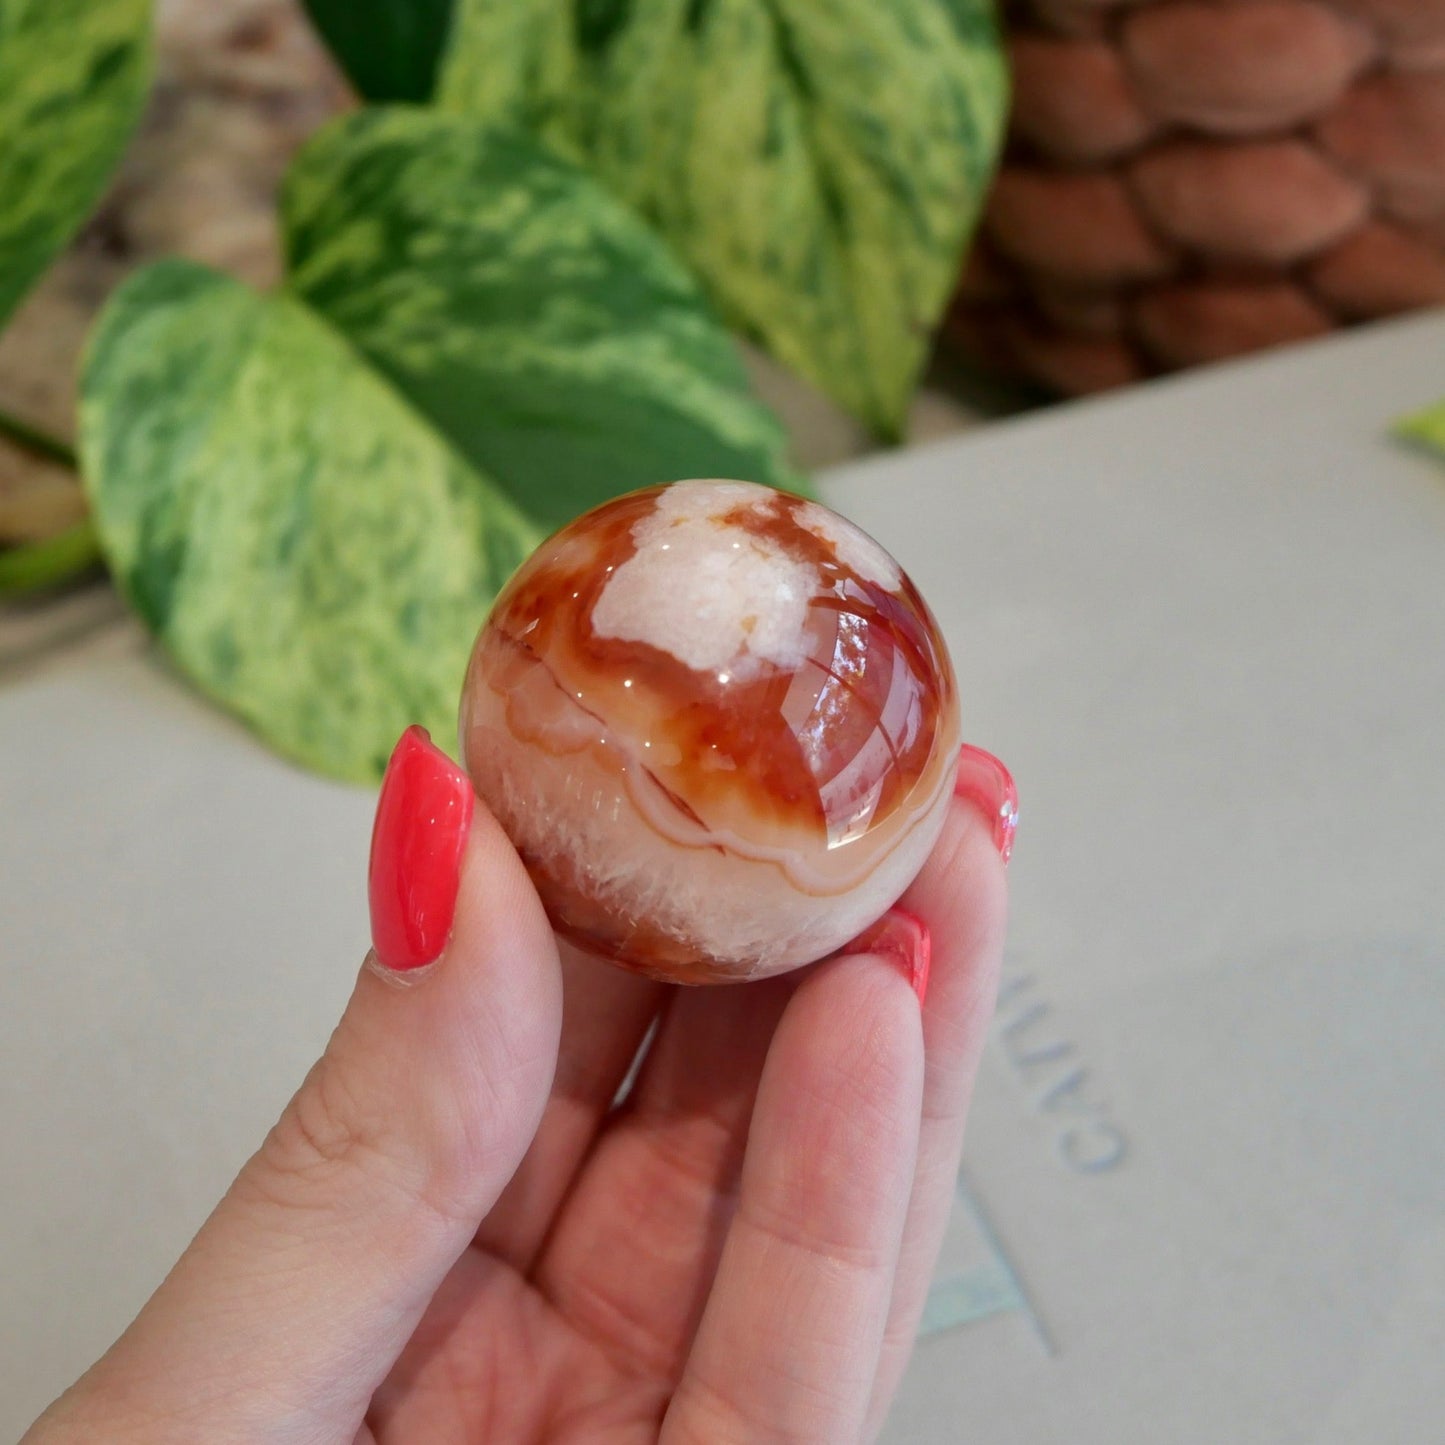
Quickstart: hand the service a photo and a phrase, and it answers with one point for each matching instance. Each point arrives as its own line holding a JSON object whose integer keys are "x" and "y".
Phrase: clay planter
{"x": 1187, "y": 180}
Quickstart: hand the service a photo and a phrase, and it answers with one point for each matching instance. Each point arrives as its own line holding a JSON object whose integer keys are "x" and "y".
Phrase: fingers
{"x": 303, "y": 1286}
{"x": 633, "y": 1252}
{"x": 606, "y": 1013}
{"x": 788, "y": 1344}
{"x": 962, "y": 896}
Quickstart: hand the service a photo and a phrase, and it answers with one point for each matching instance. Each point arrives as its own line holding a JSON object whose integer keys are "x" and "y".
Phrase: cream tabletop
{"x": 1204, "y": 1194}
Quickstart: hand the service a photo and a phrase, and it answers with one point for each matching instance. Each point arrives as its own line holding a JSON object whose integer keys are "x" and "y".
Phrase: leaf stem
{"x": 35, "y": 440}
{"x": 35, "y": 566}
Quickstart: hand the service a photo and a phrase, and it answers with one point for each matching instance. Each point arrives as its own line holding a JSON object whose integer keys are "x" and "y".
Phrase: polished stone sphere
{"x": 720, "y": 726}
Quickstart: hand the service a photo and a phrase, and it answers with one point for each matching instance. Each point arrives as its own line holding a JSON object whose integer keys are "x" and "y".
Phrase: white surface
{"x": 1205, "y": 1190}
{"x": 708, "y": 625}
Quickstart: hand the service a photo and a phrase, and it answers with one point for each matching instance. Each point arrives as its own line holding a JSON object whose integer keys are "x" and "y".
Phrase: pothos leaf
{"x": 312, "y": 498}
{"x": 523, "y": 309}
{"x": 1425, "y": 429}
{"x": 73, "y": 80}
{"x": 311, "y": 553}
{"x": 389, "y": 49}
{"x": 819, "y": 162}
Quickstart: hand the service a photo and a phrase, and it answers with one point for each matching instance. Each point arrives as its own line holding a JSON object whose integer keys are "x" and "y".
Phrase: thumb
{"x": 299, "y": 1292}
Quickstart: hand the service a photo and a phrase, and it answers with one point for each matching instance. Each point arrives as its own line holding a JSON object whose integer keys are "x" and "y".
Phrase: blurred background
{"x": 1184, "y": 181}
{"x": 1199, "y": 614}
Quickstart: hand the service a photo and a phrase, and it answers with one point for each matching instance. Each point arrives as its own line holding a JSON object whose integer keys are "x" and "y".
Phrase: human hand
{"x": 452, "y": 1234}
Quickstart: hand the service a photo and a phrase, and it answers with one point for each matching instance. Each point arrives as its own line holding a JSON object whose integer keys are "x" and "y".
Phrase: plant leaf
{"x": 51, "y": 562}
{"x": 313, "y": 498}
{"x": 526, "y": 311}
{"x": 1425, "y": 429}
{"x": 73, "y": 80}
{"x": 312, "y": 554}
{"x": 819, "y": 162}
{"x": 389, "y": 49}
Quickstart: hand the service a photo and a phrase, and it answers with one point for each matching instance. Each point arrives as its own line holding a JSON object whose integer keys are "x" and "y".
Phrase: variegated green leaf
{"x": 819, "y": 162}
{"x": 389, "y": 49}
{"x": 73, "y": 78}
{"x": 1426, "y": 429}
{"x": 538, "y": 323}
{"x": 310, "y": 551}
{"x": 313, "y": 498}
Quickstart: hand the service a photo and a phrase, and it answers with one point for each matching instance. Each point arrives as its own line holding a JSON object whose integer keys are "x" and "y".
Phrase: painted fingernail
{"x": 985, "y": 782}
{"x": 422, "y": 820}
{"x": 903, "y": 939}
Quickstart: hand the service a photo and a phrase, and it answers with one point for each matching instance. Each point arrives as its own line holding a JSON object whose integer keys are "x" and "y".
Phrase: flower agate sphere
{"x": 720, "y": 726}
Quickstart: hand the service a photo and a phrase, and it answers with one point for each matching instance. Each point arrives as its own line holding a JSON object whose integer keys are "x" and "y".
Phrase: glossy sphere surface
{"x": 720, "y": 726}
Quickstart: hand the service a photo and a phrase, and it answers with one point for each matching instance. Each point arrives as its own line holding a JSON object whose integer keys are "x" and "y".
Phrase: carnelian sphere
{"x": 720, "y": 726}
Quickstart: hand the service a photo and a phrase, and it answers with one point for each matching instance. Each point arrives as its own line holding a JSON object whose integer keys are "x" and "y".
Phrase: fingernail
{"x": 985, "y": 782}
{"x": 904, "y": 940}
{"x": 422, "y": 820}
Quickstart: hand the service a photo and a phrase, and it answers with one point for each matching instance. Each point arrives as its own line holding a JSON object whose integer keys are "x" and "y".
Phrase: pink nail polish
{"x": 985, "y": 782}
{"x": 905, "y": 940}
{"x": 422, "y": 820}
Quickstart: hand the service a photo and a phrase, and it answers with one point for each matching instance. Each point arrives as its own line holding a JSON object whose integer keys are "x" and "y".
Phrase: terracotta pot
{"x": 1190, "y": 179}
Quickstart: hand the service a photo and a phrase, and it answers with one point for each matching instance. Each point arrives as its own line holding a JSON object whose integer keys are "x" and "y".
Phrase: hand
{"x": 452, "y": 1235}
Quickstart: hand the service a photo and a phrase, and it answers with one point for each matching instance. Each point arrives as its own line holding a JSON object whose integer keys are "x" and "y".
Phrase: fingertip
{"x": 458, "y": 1053}
{"x": 498, "y": 909}
{"x": 986, "y": 784}
{"x": 500, "y": 974}
{"x": 853, "y": 1034}
{"x": 902, "y": 938}
{"x": 962, "y": 892}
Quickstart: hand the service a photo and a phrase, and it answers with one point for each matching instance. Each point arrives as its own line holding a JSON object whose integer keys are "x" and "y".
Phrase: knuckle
{"x": 321, "y": 1136}
{"x": 334, "y": 1146}
{"x": 710, "y": 1412}
{"x": 822, "y": 1241}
